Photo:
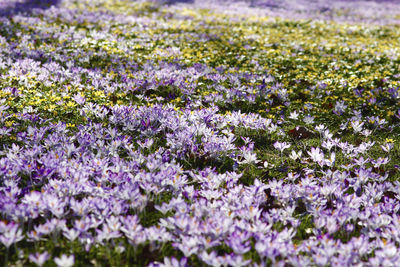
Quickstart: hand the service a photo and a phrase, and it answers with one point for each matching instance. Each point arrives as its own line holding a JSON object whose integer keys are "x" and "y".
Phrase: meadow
{"x": 200, "y": 133}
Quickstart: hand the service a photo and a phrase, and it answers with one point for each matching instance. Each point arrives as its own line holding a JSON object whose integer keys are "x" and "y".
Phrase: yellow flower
{"x": 70, "y": 104}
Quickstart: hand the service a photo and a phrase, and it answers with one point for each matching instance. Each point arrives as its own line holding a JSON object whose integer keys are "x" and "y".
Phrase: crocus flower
{"x": 295, "y": 155}
{"x": 39, "y": 258}
{"x": 65, "y": 261}
{"x": 11, "y": 234}
{"x": 357, "y": 126}
{"x": 316, "y": 154}
{"x": 249, "y": 158}
{"x": 281, "y": 146}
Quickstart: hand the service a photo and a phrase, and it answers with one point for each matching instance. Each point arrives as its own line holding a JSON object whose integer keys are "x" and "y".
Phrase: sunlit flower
{"x": 64, "y": 260}
{"x": 281, "y": 146}
{"x": 295, "y": 155}
{"x": 249, "y": 158}
{"x": 387, "y": 147}
{"x": 39, "y": 258}
{"x": 357, "y": 126}
{"x": 308, "y": 119}
{"x": 294, "y": 115}
{"x": 316, "y": 154}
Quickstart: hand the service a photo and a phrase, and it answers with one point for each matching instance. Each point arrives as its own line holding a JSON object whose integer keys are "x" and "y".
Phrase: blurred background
{"x": 368, "y": 11}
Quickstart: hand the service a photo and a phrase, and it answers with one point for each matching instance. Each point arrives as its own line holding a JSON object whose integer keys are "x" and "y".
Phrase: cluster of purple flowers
{"x": 95, "y": 182}
{"x": 353, "y": 11}
{"x": 125, "y": 155}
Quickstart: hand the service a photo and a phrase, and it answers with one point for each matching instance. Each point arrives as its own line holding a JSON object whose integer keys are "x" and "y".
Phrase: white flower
{"x": 39, "y": 259}
{"x": 381, "y": 122}
{"x": 357, "y": 126}
{"x": 11, "y": 235}
{"x": 308, "y": 119}
{"x": 316, "y": 154}
{"x": 71, "y": 234}
{"x": 343, "y": 126}
{"x": 281, "y": 146}
{"x": 246, "y": 140}
{"x": 28, "y": 109}
{"x": 294, "y": 155}
{"x": 65, "y": 261}
{"x": 320, "y": 128}
{"x": 327, "y": 134}
{"x": 249, "y": 158}
{"x": 387, "y": 147}
{"x": 292, "y": 177}
{"x": 329, "y": 162}
{"x": 294, "y": 115}
{"x": 328, "y": 144}
{"x": 366, "y": 132}
{"x": 268, "y": 165}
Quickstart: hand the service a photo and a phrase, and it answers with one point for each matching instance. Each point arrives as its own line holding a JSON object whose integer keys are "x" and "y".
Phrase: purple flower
{"x": 238, "y": 246}
{"x": 79, "y": 99}
{"x": 39, "y": 258}
{"x": 11, "y": 234}
{"x": 189, "y": 245}
{"x": 210, "y": 258}
{"x": 106, "y": 233}
{"x": 171, "y": 262}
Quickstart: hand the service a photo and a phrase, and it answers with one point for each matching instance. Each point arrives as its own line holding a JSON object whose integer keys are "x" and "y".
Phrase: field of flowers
{"x": 193, "y": 133}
